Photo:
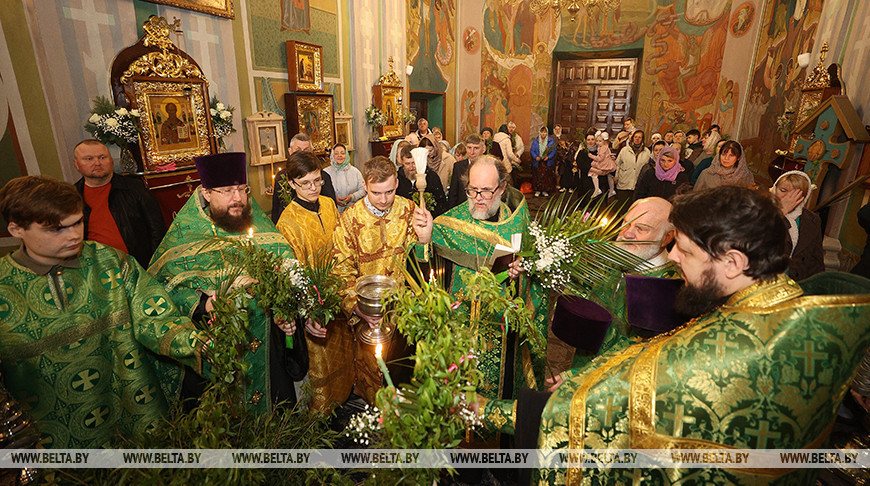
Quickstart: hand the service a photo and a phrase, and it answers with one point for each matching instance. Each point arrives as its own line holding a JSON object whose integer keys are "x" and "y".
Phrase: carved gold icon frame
{"x": 174, "y": 121}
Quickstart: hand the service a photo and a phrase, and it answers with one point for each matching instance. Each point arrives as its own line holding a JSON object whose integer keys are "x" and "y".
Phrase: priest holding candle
{"x": 192, "y": 268}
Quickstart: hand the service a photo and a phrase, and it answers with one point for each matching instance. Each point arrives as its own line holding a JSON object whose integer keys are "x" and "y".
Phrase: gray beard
{"x": 490, "y": 211}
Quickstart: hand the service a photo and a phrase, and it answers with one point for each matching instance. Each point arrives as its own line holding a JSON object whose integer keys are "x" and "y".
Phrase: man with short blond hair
{"x": 373, "y": 237}
{"x": 119, "y": 211}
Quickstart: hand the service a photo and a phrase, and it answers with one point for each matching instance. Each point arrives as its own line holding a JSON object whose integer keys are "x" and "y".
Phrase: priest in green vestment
{"x": 646, "y": 234}
{"x": 466, "y": 237}
{"x": 81, "y": 325}
{"x": 764, "y": 365}
{"x": 192, "y": 267}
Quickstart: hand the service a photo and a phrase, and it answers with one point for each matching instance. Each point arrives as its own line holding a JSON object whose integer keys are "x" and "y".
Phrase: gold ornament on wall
{"x": 162, "y": 64}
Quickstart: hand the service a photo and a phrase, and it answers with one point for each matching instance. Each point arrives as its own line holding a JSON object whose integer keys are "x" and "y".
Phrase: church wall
{"x": 58, "y": 55}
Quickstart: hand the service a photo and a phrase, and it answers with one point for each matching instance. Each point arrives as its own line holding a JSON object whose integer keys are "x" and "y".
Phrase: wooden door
{"x": 594, "y": 93}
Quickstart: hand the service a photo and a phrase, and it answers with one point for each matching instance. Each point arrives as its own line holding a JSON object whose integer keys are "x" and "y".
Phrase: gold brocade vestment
{"x": 330, "y": 372}
{"x": 366, "y": 244}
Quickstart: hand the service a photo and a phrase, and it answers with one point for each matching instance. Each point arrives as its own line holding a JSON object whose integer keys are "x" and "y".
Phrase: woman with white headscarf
{"x": 346, "y": 179}
{"x": 793, "y": 190}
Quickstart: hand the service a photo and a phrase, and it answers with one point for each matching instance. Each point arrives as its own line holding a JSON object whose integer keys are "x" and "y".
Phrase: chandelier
{"x": 538, "y": 7}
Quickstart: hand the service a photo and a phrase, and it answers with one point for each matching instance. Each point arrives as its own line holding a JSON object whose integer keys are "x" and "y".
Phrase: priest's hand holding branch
{"x": 515, "y": 268}
{"x": 289, "y": 327}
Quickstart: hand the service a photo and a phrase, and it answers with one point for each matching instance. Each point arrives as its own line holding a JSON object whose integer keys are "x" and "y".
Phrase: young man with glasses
{"x": 193, "y": 268}
{"x": 465, "y": 237}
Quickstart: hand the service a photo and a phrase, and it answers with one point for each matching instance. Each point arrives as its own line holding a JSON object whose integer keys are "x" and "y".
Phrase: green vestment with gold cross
{"x": 189, "y": 262}
{"x": 79, "y": 347}
{"x": 468, "y": 245}
{"x": 610, "y": 294}
{"x": 766, "y": 370}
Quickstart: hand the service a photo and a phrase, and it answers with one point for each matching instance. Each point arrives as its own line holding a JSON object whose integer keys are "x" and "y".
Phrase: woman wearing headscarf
{"x": 505, "y": 146}
{"x": 668, "y": 178}
{"x": 564, "y": 161}
{"x": 543, "y": 152}
{"x": 486, "y": 135}
{"x": 793, "y": 189}
{"x": 397, "y": 148}
{"x": 346, "y": 179}
{"x": 728, "y": 169}
{"x": 439, "y": 160}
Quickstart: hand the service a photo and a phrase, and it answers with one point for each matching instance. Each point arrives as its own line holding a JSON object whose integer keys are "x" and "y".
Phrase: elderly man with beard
{"x": 192, "y": 267}
{"x": 464, "y": 238}
{"x": 764, "y": 363}
{"x": 646, "y": 234}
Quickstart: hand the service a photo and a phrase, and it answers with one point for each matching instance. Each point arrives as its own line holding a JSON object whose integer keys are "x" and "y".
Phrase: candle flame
{"x": 431, "y": 274}
{"x": 250, "y": 232}
{"x": 378, "y": 349}
{"x": 604, "y": 220}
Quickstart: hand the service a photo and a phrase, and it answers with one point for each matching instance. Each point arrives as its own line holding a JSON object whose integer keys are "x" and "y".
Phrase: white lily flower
{"x": 212, "y": 111}
{"x": 94, "y": 118}
{"x": 226, "y": 115}
{"x": 220, "y": 106}
{"x": 111, "y": 122}
{"x": 134, "y": 113}
{"x": 121, "y": 112}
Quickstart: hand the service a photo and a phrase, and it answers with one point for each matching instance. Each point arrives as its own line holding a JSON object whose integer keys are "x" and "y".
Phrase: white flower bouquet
{"x": 111, "y": 125}
{"x": 375, "y": 117}
{"x": 571, "y": 247}
{"x": 221, "y": 118}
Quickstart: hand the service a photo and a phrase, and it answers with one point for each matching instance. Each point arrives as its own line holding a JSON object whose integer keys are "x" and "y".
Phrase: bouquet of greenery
{"x": 571, "y": 247}
{"x": 375, "y": 117}
{"x": 111, "y": 125}
{"x": 286, "y": 287}
{"x": 221, "y": 118}
{"x": 432, "y": 411}
{"x": 407, "y": 116}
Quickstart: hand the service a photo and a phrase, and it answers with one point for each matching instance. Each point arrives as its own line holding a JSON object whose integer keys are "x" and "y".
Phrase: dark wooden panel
{"x": 594, "y": 93}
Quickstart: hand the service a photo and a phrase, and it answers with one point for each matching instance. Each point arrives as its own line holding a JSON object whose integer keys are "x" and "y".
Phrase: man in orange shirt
{"x": 119, "y": 211}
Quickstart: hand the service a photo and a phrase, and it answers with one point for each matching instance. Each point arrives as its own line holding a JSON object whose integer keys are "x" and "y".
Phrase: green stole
{"x": 185, "y": 268}
{"x": 468, "y": 244}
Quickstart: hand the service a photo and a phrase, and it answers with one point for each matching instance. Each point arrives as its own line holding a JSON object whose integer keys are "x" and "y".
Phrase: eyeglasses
{"x": 485, "y": 194}
{"x": 230, "y": 192}
{"x": 309, "y": 184}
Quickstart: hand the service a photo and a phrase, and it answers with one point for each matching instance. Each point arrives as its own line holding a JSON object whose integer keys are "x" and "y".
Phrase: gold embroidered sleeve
{"x": 500, "y": 415}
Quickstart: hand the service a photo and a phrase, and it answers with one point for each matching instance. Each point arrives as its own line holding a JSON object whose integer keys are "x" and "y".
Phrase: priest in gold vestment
{"x": 373, "y": 237}
{"x": 764, "y": 365}
{"x": 308, "y": 223}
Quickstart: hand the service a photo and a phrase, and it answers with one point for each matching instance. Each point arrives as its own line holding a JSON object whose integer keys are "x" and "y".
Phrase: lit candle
{"x": 250, "y": 233}
{"x": 604, "y": 221}
{"x": 431, "y": 275}
{"x": 272, "y": 163}
{"x": 378, "y": 349}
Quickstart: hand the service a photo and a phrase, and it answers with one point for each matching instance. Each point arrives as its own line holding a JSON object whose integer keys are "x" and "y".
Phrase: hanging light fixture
{"x": 539, "y": 7}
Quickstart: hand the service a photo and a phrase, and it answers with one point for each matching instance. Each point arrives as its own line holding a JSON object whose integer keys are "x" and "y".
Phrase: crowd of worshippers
{"x": 105, "y": 292}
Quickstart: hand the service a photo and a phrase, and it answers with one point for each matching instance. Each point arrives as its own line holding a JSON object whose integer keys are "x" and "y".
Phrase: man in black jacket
{"x": 119, "y": 211}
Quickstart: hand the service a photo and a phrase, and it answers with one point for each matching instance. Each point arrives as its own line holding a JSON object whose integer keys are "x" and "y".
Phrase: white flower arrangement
{"x": 553, "y": 254}
{"x": 111, "y": 125}
{"x": 375, "y": 117}
{"x": 221, "y": 118}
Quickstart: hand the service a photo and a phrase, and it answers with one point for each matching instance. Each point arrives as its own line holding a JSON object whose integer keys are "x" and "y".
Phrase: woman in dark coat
{"x": 792, "y": 189}
{"x": 668, "y": 178}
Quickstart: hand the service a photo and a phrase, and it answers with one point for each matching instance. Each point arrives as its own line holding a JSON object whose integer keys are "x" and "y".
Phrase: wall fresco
{"x": 787, "y": 29}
